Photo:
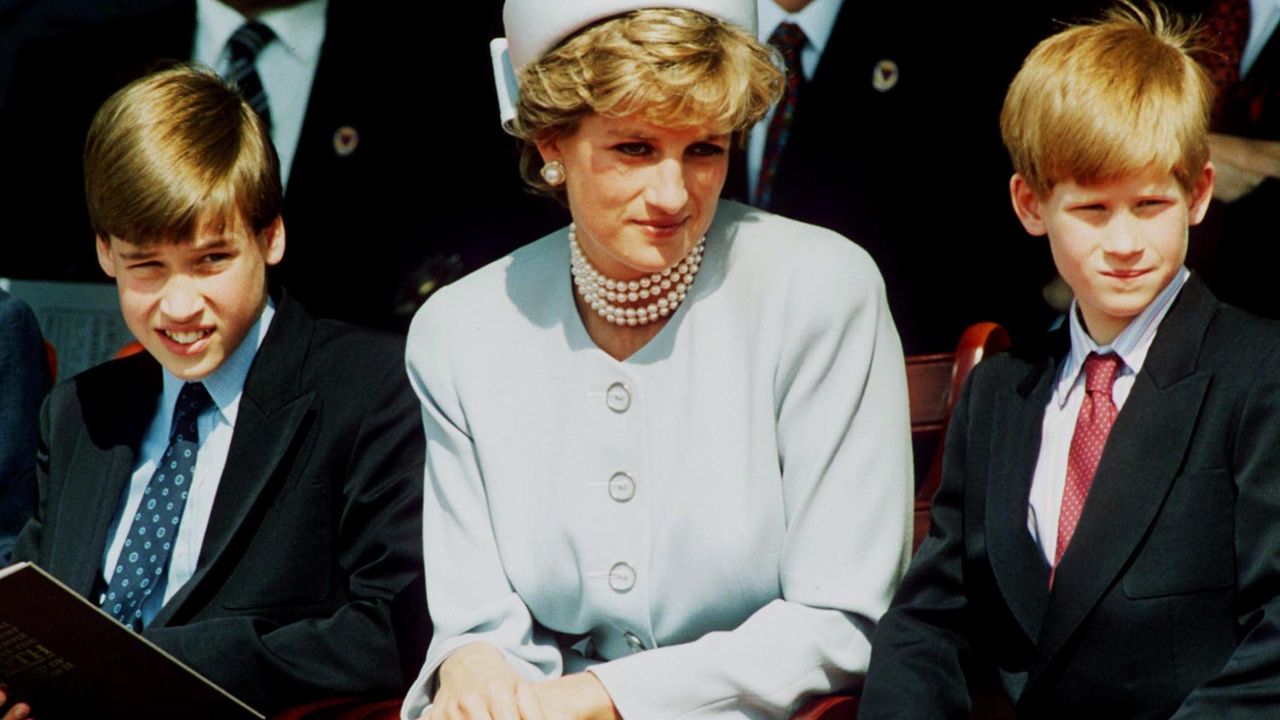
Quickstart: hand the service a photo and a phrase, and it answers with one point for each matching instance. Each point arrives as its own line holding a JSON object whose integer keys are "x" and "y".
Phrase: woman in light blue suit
{"x": 668, "y": 467}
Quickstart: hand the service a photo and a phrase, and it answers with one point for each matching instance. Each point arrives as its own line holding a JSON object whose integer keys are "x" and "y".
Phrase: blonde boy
{"x": 1104, "y": 542}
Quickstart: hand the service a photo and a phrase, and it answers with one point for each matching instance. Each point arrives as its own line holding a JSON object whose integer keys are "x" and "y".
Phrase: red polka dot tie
{"x": 1093, "y": 424}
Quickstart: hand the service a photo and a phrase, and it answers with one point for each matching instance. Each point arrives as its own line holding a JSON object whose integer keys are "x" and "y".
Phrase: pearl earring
{"x": 553, "y": 173}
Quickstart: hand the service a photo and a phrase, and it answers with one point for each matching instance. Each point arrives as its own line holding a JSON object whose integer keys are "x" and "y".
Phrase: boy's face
{"x": 190, "y": 304}
{"x": 1117, "y": 243}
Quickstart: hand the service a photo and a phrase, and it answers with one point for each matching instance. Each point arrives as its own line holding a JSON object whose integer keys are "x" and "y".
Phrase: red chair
{"x": 934, "y": 383}
{"x": 51, "y": 355}
{"x": 343, "y": 708}
{"x": 131, "y": 348}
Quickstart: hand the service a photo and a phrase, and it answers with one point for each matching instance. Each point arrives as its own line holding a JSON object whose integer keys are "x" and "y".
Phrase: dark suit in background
{"x": 1166, "y": 600}
{"x": 916, "y": 174}
{"x": 309, "y": 581}
{"x": 24, "y": 380}
{"x": 427, "y": 196}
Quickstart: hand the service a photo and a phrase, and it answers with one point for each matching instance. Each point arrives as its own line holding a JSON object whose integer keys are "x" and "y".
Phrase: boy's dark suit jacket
{"x": 1168, "y": 597}
{"x": 309, "y": 582}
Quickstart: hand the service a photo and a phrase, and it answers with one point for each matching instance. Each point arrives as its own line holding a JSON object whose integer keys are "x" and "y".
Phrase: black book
{"x": 67, "y": 658}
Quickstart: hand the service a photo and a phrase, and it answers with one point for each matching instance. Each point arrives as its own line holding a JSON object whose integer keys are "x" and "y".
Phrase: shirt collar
{"x": 300, "y": 27}
{"x": 1132, "y": 344}
{"x": 816, "y": 20}
{"x": 226, "y": 384}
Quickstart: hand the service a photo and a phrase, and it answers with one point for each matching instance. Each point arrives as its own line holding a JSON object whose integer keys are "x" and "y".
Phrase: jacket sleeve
{"x": 471, "y": 599}
{"x": 1248, "y": 685}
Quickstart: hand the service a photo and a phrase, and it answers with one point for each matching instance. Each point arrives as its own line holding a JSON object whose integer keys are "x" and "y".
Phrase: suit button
{"x": 621, "y": 487}
{"x": 622, "y": 577}
{"x": 618, "y": 397}
{"x": 633, "y": 641}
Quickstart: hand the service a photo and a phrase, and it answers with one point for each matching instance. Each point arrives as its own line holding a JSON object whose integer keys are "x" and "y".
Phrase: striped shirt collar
{"x": 1132, "y": 344}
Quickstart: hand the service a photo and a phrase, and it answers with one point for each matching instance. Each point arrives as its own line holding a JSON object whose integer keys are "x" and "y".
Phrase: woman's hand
{"x": 581, "y": 696}
{"x": 477, "y": 683}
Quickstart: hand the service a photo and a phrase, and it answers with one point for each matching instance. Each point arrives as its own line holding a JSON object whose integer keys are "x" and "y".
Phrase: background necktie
{"x": 144, "y": 558}
{"x": 243, "y": 48}
{"x": 789, "y": 39}
{"x": 1093, "y": 424}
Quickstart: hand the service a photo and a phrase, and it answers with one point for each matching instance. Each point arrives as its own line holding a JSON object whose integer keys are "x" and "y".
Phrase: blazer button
{"x": 618, "y": 397}
{"x": 621, "y": 487}
{"x": 622, "y": 577}
{"x": 633, "y": 641}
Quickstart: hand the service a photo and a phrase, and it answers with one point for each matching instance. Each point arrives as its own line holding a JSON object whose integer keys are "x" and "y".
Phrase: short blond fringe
{"x": 175, "y": 153}
{"x": 674, "y": 68}
{"x": 1110, "y": 99}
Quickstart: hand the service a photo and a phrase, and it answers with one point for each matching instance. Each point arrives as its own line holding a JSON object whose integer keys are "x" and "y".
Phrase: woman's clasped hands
{"x": 477, "y": 682}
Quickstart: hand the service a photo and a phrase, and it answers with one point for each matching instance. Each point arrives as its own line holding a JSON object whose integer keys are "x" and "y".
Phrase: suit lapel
{"x": 273, "y": 420}
{"x": 1142, "y": 457}
{"x": 1019, "y": 567}
{"x": 116, "y": 414}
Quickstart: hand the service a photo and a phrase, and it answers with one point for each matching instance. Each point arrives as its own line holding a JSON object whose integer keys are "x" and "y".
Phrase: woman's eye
{"x": 633, "y": 149}
{"x": 706, "y": 150}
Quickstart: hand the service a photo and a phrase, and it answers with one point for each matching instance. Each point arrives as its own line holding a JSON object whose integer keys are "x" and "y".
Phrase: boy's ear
{"x": 1026, "y": 205}
{"x": 105, "y": 260}
{"x": 1201, "y": 194}
{"x": 273, "y": 241}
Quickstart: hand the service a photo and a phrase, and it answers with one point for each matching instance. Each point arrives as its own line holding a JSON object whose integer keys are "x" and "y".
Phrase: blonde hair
{"x": 674, "y": 68}
{"x": 175, "y": 152}
{"x": 1109, "y": 99}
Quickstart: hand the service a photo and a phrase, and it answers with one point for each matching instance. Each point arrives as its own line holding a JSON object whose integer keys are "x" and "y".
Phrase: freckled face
{"x": 1117, "y": 243}
{"x": 641, "y": 195}
{"x": 191, "y": 304}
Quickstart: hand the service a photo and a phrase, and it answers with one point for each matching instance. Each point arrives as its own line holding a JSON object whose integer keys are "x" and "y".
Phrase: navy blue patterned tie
{"x": 145, "y": 555}
{"x": 243, "y": 48}
{"x": 790, "y": 40}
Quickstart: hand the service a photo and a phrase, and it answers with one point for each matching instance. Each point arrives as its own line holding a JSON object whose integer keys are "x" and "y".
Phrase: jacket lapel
{"x": 1143, "y": 455}
{"x": 1018, "y": 566}
{"x": 272, "y": 421}
{"x": 116, "y": 414}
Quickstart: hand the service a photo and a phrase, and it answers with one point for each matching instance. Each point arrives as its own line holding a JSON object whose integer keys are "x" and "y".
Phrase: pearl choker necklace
{"x": 657, "y": 295}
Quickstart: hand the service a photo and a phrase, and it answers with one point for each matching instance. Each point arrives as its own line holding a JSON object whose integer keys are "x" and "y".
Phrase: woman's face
{"x": 642, "y": 195}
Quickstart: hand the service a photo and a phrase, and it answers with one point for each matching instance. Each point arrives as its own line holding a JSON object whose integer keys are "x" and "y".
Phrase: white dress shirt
{"x": 287, "y": 65}
{"x": 713, "y": 525}
{"x": 816, "y": 20}
{"x": 216, "y": 425}
{"x": 1264, "y": 15}
{"x": 1059, "y": 425}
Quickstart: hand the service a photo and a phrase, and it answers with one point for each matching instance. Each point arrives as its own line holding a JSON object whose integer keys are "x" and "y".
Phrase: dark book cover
{"x": 66, "y": 657}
